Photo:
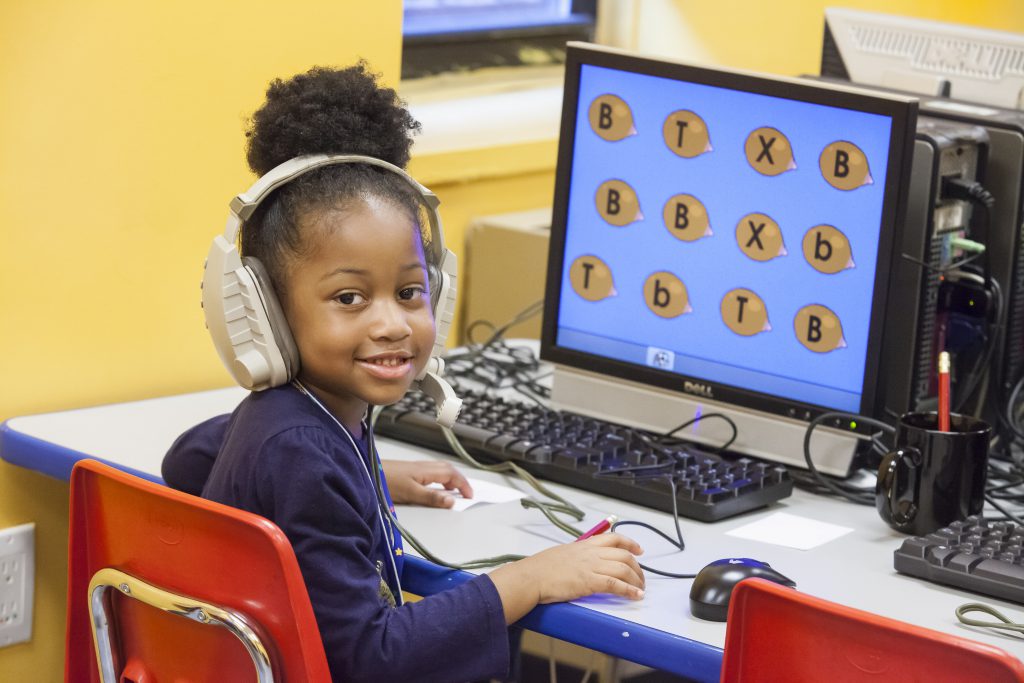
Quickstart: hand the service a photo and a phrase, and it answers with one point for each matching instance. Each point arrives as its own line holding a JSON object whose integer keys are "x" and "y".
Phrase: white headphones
{"x": 246, "y": 320}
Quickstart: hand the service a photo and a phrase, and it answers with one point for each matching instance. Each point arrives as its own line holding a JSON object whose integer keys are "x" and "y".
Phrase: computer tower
{"x": 1002, "y": 174}
{"x": 927, "y": 297}
{"x": 976, "y": 67}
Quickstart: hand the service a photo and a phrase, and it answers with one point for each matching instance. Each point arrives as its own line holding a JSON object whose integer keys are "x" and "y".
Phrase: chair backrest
{"x": 775, "y": 633}
{"x": 198, "y": 565}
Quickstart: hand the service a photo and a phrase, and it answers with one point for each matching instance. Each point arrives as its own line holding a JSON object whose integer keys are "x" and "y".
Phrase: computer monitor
{"x": 722, "y": 242}
{"x": 925, "y": 57}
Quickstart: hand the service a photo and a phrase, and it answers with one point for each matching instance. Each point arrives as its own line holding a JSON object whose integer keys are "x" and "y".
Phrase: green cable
{"x": 1006, "y": 624}
{"x": 460, "y": 451}
{"x": 967, "y": 245}
{"x": 548, "y": 509}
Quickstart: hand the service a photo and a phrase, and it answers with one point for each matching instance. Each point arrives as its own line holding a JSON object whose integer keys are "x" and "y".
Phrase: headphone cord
{"x": 413, "y": 541}
{"x": 1006, "y": 624}
{"x": 548, "y": 509}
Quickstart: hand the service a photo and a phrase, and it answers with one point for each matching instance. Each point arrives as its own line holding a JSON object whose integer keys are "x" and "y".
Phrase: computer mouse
{"x": 712, "y": 587}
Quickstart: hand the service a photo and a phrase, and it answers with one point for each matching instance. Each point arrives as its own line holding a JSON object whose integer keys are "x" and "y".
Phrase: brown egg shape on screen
{"x": 844, "y": 166}
{"x": 819, "y": 329}
{"x": 611, "y": 118}
{"x": 828, "y": 250}
{"x": 686, "y": 218}
{"x": 686, "y": 134}
{"x": 591, "y": 278}
{"x": 759, "y": 237}
{"x": 666, "y": 295}
{"x": 617, "y": 203}
{"x": 768, "y": 152}
{"x": 744, "y": 312}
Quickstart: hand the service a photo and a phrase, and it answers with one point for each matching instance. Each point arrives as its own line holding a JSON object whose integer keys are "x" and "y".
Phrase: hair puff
{"x": 330, "y": 111}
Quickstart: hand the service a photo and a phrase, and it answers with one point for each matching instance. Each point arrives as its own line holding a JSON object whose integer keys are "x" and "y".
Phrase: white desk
{"x": 659, "y": 631}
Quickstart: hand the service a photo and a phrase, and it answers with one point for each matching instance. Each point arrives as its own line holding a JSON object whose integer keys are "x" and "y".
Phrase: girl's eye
{"x": 350, "y": 298}
{"x": 410, "y": 293}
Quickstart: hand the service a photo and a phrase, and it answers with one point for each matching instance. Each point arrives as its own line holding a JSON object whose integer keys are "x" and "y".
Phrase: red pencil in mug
{"x": 944, "y": 425}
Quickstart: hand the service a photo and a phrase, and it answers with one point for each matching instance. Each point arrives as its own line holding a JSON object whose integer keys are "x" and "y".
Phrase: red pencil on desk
{"x": 601, "y": 527}
{"x": 944, "y": 392}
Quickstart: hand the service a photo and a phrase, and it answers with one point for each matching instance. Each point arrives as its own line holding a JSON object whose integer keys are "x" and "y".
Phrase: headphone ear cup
{"x": 237, "y": 319}
{"x": 280, "y": 334}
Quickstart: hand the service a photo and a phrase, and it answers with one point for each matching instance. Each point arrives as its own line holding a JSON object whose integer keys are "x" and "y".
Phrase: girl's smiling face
{"x": 358, "y": 303}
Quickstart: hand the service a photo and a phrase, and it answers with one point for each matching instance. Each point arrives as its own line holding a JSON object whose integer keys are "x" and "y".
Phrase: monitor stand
{"x": 770, "y": 437}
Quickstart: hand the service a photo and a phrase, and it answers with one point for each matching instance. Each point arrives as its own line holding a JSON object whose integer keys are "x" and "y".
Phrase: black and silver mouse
{"x": 712, "y": 587}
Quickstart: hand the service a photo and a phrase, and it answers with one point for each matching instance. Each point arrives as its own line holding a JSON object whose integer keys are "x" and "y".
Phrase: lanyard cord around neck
{"x": 392, "y": 520}
{"x": 383, "y": 512}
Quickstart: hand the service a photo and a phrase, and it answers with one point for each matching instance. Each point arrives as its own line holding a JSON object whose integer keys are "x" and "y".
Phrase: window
{"x": 445, "y": 36}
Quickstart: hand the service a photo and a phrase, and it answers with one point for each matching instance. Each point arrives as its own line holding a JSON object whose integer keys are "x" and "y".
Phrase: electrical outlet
{"x": 17, "y": 583}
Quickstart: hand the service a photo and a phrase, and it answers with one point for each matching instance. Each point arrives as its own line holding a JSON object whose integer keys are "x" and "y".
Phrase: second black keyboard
{"x": 606, "y": 458}
{"x": 976, "y": 555}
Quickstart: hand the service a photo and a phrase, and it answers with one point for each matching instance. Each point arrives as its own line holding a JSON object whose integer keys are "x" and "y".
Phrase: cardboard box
{"x": 506, "y": 263}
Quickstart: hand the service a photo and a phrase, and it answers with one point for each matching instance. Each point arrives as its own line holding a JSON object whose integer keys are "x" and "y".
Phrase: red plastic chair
{"x": 775, "y": 633}
{"x": 180, "y": 588}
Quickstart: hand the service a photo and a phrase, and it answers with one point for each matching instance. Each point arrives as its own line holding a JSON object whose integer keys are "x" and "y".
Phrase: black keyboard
{"x": 594, "y": 455}
{"x": 975, "y": 555}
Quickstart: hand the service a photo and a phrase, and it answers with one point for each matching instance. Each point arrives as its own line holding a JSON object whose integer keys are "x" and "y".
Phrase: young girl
{"x": 346, "y": 259}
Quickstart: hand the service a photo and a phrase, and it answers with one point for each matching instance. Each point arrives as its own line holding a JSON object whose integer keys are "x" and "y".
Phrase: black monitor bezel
{"x": 901, "y": 110}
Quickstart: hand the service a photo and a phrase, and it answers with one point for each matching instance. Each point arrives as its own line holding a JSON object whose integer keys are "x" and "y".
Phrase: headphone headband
{"x": 245, "y": 204}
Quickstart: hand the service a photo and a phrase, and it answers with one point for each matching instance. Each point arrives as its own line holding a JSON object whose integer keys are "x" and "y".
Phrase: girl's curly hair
{"x": 324, "y": 111}
{"x": 330, "y": 111}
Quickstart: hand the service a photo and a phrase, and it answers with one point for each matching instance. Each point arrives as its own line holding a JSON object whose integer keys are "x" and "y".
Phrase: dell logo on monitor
{"x": 698, "y": 388}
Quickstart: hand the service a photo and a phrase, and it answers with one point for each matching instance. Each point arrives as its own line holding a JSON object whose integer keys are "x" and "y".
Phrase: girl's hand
{"x": 600, "y": 564}
{"x": 409, "y": 481}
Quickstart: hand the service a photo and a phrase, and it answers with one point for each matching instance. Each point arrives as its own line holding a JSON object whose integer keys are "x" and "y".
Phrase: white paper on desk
{"x": 791, "y": 531}
{"x": 483, "y": 492}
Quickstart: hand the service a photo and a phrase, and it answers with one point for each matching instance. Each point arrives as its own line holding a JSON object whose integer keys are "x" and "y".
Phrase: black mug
{"x": 933, "y": 478}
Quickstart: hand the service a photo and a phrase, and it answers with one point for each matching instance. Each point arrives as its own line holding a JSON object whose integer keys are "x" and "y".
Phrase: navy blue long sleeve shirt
{"x": 280, "y": 456}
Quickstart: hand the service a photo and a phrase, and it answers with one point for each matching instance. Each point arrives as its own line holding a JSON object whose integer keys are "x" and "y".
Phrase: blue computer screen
{"x": 723, "y": 235}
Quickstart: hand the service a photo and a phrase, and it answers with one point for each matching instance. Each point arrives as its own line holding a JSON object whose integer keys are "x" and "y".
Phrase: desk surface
{"x": 855, "y": 569}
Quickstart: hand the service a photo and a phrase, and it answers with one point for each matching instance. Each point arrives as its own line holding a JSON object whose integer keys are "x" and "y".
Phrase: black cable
{"x": 981, "y": 365}
{"x": 677, "y": 542}
{"x": 945, "y": 269}
{"x": 498, "y": 366}
{"x": 698, "y": 418}
{"x": 975, "y": 193}
{"x": 1011, "y": 404}
{"x": 1009, "y": 515}
{"x": 661, "y": 533}
{"x": 859, "y": 496}
{"x": 499, "y": 332}
{"x": 969, "y": 190}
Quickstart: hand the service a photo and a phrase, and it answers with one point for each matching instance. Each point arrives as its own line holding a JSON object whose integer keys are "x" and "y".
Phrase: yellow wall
{"x": 120, "y": 143}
